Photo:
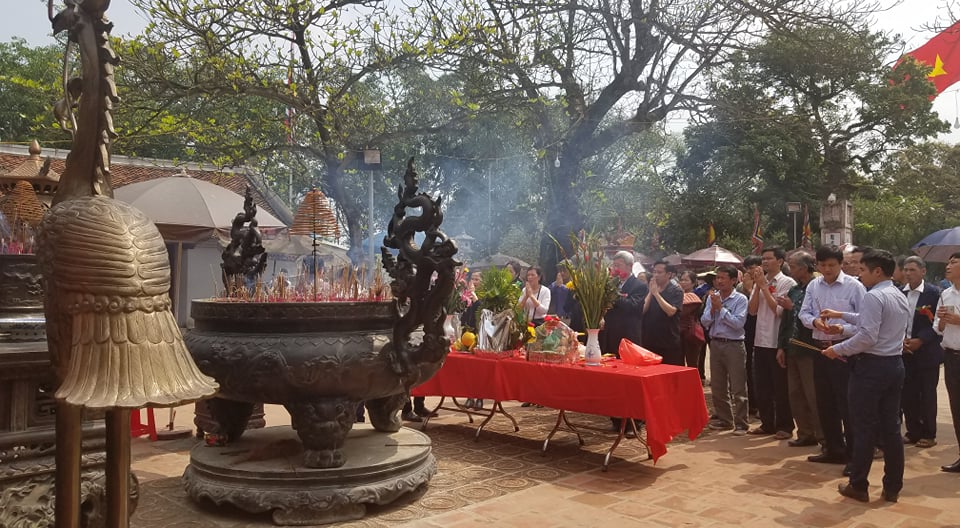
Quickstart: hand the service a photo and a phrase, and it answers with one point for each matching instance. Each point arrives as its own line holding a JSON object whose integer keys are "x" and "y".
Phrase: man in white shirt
{"x": 833, "y": 290}
{"x": 922, "y": 357}
{"x": 770, "y": 376}
{"x": 947, "y": 324}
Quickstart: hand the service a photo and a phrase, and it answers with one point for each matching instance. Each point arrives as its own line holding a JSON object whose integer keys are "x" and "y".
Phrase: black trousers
{"x": 874, "y": 398}
{"x": 773, "y": 397}
{"x": 831, "y": 378}
{"x": 951, "y": 378}
{"x": 919, "y": 400}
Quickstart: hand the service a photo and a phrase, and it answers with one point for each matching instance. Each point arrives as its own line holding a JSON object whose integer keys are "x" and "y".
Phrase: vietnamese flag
{"x": 942, "y": 53}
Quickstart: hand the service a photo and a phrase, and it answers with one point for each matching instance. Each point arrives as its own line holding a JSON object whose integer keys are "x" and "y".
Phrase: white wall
{"x": 200, "y": 270}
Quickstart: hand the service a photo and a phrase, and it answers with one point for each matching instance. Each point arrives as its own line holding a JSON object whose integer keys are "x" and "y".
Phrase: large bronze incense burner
{"x": 320, "y": 360}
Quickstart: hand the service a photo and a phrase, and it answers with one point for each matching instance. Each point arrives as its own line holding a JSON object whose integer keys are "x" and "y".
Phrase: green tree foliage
{"x": 332, "y": 64}
{"x": 589, "y": 74}
{"x": 29, "y": 85}
{"x": 916, "y": 193}
{"x": 801, "y": 114}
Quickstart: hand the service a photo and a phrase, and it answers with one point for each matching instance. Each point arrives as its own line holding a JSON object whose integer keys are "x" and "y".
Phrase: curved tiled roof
{"x": 126, "y": 170}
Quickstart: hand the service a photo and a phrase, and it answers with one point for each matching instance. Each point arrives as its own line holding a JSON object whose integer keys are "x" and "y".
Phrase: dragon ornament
{"x": 422, "y": 276}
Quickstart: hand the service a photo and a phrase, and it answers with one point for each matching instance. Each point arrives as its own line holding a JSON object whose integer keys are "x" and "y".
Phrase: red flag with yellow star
{"x": 942, "y": 53}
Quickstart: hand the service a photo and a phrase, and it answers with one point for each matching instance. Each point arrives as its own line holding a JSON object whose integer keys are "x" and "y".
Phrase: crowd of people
{"x": 838, "y": 350}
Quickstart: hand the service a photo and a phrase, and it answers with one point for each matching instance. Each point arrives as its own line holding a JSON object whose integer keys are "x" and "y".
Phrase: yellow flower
{"x": 569, "y": 285}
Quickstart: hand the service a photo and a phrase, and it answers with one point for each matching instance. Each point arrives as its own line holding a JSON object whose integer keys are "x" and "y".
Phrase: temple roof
{"x": 126, "y": 170}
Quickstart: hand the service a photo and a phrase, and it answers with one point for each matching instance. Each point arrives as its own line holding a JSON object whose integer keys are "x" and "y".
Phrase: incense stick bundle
{"x": 801, "y": 344}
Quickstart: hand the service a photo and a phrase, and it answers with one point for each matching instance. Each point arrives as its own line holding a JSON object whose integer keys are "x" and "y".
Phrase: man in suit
{"x": 922, "y": 357}
{"x": 623, "y": 320}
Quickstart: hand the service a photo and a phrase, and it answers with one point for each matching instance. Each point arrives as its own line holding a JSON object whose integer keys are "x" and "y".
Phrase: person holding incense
{"x": 875, "y": 352}
{"x": 797, "y": 352}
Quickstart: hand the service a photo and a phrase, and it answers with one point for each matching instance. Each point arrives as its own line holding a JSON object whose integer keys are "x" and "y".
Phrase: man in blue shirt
{"x": 724, "y": 317}
{"x": 876, "y": 376}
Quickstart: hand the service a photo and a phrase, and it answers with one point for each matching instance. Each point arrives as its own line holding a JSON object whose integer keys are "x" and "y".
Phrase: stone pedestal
{"x": 264, "y": 471}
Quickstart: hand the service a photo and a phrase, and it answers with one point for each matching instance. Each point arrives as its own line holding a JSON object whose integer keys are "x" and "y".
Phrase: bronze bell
{"x": 117, "y": 342}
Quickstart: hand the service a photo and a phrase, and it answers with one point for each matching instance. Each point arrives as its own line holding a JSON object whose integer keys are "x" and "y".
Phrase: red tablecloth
{"x": 669, "y": 398}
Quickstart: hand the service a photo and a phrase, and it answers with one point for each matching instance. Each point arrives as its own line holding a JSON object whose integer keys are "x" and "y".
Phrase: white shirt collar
{"x": 919, "y": 288}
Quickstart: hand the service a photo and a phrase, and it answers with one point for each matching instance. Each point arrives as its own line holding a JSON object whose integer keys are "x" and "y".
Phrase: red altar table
{"x": 668, "y": 398}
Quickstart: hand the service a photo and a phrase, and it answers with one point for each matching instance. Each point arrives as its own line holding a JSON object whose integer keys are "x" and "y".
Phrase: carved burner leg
{"x": 228, "y": 418}
{"x": 383, "y": 412}
{"x": 322, "y": 427}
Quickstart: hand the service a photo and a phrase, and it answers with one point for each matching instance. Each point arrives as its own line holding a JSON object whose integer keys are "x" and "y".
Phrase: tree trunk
{"x": 563, "y": 217}
{"x": 348, "y": 206}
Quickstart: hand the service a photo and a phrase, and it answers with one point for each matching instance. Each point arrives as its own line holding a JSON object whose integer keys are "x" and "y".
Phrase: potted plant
{"x": 499, "y": 295}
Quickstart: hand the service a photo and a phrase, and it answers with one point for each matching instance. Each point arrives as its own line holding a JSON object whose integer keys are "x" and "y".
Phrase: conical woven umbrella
{"x": 22, "y": 204}
{"x": 314, "y": 217}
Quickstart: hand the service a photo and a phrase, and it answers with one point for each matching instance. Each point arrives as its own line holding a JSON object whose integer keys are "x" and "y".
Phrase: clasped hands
{"x": 759, "y": 277}
{"x": 831, "y": 329}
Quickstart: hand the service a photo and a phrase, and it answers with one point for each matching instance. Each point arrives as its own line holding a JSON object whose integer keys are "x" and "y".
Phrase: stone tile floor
{"x": 502, "y": 480}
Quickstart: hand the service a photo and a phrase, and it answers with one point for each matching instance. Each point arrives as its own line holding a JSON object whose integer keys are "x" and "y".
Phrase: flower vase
{"x": 450, "y": 327}
{"x": 593, "y": 354}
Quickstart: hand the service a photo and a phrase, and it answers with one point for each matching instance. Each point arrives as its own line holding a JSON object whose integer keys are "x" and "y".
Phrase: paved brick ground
{"x": 717, "y": 480}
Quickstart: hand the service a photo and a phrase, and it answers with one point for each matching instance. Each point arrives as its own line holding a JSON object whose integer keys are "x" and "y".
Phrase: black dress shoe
{"x": 848, "y": 491}
{"x": 908, "y": 440}
{"x": 410, "y": 417}
{"x": 827, "y": 458}
{"x": 425, "y": 413}
{"x": 846, "y": 470}
{"x": 802, "y": 442}
{"x": 951, "y": 468}
{"x": 889, "y": 496}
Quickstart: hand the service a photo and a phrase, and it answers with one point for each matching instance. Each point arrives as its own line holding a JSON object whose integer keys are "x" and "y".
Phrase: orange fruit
{"x": 468, "y": 339}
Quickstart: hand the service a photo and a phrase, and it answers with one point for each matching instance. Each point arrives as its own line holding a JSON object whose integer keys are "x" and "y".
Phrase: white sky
{"x": 28, "y": 19}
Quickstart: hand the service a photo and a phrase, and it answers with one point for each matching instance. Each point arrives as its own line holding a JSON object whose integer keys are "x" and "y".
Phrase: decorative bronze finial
{"x": 412, "y": 272}
{"x": 244, "y": 258}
